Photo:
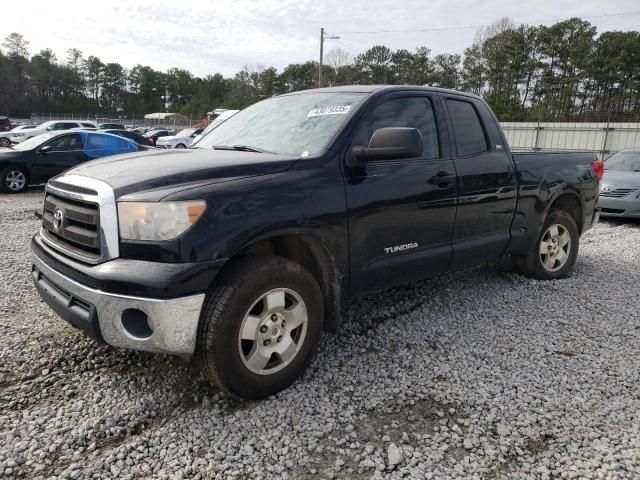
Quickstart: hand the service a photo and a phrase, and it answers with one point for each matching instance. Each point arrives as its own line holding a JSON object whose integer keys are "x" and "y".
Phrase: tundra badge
{"x": 400, "y": 248}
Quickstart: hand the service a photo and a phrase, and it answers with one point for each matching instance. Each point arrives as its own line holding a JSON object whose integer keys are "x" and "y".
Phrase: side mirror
{"x": 391, "y": 144}
{"x": 49, "y": 128}
{"x": 45, "y": 149}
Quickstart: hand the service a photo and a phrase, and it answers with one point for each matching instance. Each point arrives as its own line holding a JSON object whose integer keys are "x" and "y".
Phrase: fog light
{"x": 136, "y": 323}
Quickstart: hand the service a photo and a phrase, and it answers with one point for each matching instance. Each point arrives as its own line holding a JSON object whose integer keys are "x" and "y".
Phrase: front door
{"x": 63, "y": 152}
{"x": 401, "y": 212}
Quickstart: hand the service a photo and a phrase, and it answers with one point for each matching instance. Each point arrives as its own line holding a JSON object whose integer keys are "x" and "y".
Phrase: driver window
{"x": 66, "y": 143}
{"x": 411, "y": 112}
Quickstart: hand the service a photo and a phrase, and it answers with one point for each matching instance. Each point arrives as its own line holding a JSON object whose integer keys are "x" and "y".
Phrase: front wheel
{"x": 260, "y": 326}
{"x": 180, "y": 145}
{"x": 5, "y": 142}
{"x": 13, "y": 180}
{"x": 556, "y": 249}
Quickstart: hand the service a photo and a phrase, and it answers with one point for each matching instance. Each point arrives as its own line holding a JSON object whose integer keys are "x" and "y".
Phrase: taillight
{"x": 598, "y": 168}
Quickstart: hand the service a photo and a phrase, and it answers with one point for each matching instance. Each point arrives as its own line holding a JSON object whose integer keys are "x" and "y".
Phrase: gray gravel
{"x": 480, "y": 374}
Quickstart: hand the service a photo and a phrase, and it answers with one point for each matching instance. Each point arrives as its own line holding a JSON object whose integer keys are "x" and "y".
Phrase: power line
{"x": 466, "y": 27}
{"x": 345, "y": 46}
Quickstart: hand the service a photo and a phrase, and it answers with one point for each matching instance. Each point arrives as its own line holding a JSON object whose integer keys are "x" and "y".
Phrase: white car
{"x": 52, "y": 125}
{"x": 182, "y": 140}
{"x": 5, "y": 137}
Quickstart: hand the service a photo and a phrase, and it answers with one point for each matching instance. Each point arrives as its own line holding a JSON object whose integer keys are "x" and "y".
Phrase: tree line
{"x": 563, "y": 71}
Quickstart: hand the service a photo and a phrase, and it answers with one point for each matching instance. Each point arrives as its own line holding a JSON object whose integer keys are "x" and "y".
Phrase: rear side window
{"x": 103, "y": 145}
{"x": 411, "y": 112}
{"x": 88, "y": 125}
{"x": 467, "y": 129}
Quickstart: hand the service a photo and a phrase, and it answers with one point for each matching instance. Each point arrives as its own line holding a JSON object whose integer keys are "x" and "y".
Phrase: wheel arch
{"x": 571, "y": 203}
{"x": 313, "y": 254}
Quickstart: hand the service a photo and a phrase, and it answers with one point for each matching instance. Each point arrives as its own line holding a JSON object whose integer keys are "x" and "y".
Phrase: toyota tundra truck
{"x": 240, "y": 252}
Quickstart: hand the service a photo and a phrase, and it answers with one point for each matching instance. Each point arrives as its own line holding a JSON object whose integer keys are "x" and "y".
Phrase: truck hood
{"x": 179, "y": 169}
{"x": 617, "y": 178}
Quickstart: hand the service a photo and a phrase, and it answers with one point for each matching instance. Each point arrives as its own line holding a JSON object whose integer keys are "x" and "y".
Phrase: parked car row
{"x": 37, "y": 159}
{"x": 18, "y": 136}
{"x": 39, "y": 152}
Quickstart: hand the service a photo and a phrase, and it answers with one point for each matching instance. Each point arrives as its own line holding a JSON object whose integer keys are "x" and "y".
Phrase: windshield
{"x": 624, "y": 160}
{"x": 299, "y": 124}
{"x": 187, "y": 132}
{"x": 34, "y": 142}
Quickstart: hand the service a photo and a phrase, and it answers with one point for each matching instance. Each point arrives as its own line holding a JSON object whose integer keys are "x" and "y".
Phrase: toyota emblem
{"x": 58, "y": 217}
{"x": 605, "y": 188}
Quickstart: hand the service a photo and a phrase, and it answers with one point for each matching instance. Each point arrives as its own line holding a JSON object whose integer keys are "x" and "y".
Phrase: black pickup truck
{"x": 241, "y": 250}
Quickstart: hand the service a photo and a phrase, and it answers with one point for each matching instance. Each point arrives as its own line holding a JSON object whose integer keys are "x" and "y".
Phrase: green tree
{"x": 473, "y": 74}
{"x": 299, "y": 76}
{"x": 16, "y": 46}
{"x": 93, "y": 70}
{"x": 447, "y": 70}
{"x": 112, "y": 87}
{"x": 376, "y": 65}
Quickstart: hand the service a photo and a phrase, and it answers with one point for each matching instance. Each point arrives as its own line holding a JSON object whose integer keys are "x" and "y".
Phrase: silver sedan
{"x": 620, "y": 188}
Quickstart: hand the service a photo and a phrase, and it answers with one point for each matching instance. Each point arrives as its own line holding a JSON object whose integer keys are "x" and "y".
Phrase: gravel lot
{"x": 481, "y": 374}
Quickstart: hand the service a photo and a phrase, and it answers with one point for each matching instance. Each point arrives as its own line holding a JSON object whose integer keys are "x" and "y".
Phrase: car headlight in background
{"x": 18, "y": 134}
{"x": 157, "y": 220}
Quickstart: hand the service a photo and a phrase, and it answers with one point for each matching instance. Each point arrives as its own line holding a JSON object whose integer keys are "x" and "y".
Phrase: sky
{"x": 214, "y": 36}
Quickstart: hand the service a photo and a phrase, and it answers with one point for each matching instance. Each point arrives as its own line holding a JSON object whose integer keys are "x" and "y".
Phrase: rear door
{"x": 401, "y": 212}
{"x": 100, "y": 145}
{"x": 486, "y": 183}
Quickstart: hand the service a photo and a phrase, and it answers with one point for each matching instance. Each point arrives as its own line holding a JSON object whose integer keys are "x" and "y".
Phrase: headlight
{"x": 18, "y": 134}
{"x": 157, "y": 220}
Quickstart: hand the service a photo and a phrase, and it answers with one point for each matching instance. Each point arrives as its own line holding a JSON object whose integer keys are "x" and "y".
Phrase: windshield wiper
{"x": 239, "y": 148}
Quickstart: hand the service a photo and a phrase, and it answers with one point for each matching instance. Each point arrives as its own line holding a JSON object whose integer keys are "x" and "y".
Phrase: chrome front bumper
{"x": 172, "y": 323}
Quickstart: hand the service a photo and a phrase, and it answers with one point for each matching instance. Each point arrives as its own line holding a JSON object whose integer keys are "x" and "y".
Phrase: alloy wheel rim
{"x": 273, "y": 331}
{"x": 4, "y": 142}
{"x": 15, "y": 180}
{"x": 555, "y": 247}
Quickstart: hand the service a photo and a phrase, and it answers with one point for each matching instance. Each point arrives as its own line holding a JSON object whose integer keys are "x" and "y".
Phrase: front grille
{"x": 79, "y": 228}
{"x": 618, "y": 192}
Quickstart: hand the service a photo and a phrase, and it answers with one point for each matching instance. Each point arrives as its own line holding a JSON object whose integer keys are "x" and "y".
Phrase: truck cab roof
{"x": 382, "y": 89}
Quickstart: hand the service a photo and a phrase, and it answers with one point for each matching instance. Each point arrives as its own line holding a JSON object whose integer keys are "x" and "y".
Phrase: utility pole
{"x": 321, "y": 55}
{"x": 323, "y": 36}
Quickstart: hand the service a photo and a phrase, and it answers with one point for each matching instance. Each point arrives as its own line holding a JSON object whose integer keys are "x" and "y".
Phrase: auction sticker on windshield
{"x": 331, "y": 110}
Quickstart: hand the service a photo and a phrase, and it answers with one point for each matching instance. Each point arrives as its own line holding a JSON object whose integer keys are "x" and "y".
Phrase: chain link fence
{"x": 136, "y": 120}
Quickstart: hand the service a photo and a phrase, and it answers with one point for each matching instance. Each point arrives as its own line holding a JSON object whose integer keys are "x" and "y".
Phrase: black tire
{"x": 5, "y": 142}
{"x": 532, "y": 264}
{"x": 219, "y": 349}
{"x": 181, "y": 145}
{"x": 5, "y": 180}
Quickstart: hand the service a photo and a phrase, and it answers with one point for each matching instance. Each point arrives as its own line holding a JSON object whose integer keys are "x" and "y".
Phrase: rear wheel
{"x": 556, "y": 249}
{"x": 260, "y": 326}
{"x": 13, "y": 180}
